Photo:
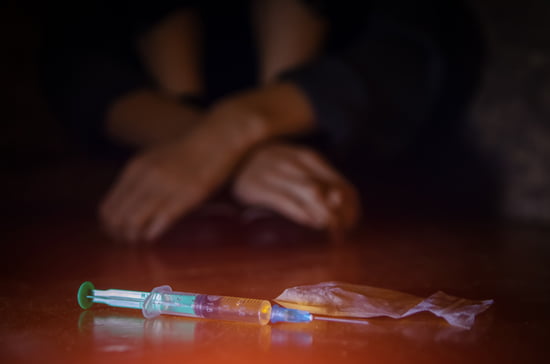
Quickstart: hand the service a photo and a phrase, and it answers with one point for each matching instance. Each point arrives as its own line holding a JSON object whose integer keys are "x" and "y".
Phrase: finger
{"x": 131, "y": 207}
{"x": 178, "y": 199}
{"x": 334, "y": 197}
{"x": 292, "y": 168}
{"x": 317, "y": 166}
{"x": 334, "y": 202}
{"x": 125, "y": 183}
{"x": 267, "y": 195}
{"x": 308, "y": 193}
{"x": 307, "y": 166}
{"x": 122, "y": 198}
{"x": 126, "y": 206}
{"x": 154, "y": 204}
{"x": 162, "y": 219}
{"x": 341, "y": 195}
{"x": 137, "y": 220}
{"x": 152, "y": 196}
{"x": 344, "y": 200}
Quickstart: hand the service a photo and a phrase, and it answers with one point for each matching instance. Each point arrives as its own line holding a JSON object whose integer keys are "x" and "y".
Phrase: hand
{"x": 166, "y": 181}
{"x": 299, "y": 184}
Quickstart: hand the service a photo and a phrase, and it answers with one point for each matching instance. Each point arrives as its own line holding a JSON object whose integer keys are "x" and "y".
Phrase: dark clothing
{"x": 390, "y": 87}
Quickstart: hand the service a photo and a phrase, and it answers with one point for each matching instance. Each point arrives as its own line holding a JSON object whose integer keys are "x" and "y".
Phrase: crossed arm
{"x": 187, "y": 154}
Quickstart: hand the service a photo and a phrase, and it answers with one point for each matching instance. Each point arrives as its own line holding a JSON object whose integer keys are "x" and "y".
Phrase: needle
{"x": 344, "y": 320}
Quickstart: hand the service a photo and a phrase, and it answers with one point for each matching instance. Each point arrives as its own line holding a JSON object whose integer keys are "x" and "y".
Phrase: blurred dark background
{"x": 44, "y": 168}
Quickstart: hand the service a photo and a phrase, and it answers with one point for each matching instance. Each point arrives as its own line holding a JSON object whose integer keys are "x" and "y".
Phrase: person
{"x": 294, "y": 101}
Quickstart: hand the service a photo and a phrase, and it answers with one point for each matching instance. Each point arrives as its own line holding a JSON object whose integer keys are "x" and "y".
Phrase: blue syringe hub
{"x": 282, "y": 314}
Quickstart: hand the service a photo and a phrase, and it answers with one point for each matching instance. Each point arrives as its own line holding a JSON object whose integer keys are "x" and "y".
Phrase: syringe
{"x": 162, "y": 300}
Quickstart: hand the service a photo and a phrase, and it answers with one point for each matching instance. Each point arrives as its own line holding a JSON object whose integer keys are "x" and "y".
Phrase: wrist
{"x": 265, "y": 113}
{"x": 281, "y": 109}
{"x": 241, "y": 123}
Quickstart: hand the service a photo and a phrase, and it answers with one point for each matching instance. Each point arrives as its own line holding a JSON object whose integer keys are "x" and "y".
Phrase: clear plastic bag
{"x": 352, "y": 300}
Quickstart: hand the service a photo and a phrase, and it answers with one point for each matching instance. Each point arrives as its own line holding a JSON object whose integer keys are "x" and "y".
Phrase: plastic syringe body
{"x": 163, "y": 300}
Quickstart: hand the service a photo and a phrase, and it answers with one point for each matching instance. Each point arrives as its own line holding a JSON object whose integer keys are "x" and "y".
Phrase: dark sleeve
{"x": 405, "y": 65}
{"x": 83, "y": 85}
{"x": 89, "y": 61}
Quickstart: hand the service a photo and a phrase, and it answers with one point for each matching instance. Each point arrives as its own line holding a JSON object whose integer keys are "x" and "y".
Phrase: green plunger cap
{"x": 84, "y": 291}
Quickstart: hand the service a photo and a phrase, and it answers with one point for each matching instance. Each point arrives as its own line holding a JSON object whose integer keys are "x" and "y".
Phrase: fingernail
{"x": 334, "y": 198}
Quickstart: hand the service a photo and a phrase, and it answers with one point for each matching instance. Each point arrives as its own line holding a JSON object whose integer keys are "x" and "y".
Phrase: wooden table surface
{"x": 46, "y": 258}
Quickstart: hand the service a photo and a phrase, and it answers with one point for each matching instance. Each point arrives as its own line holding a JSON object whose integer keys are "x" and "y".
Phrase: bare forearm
{"x": 145, "y": 118}
{"x": 185, "y": 171}
{"x": 265, "y": 113}
{"x": 285, "y": 47}
{"x": 171, "y": 53}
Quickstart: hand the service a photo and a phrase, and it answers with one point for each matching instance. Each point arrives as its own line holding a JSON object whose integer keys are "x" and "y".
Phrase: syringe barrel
{"x": 233, "y": 309}
{"x": 163, "y": 300}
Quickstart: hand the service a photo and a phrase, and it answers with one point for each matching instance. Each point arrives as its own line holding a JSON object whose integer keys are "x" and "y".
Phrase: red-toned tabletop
{"x": 44, "y": 261}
